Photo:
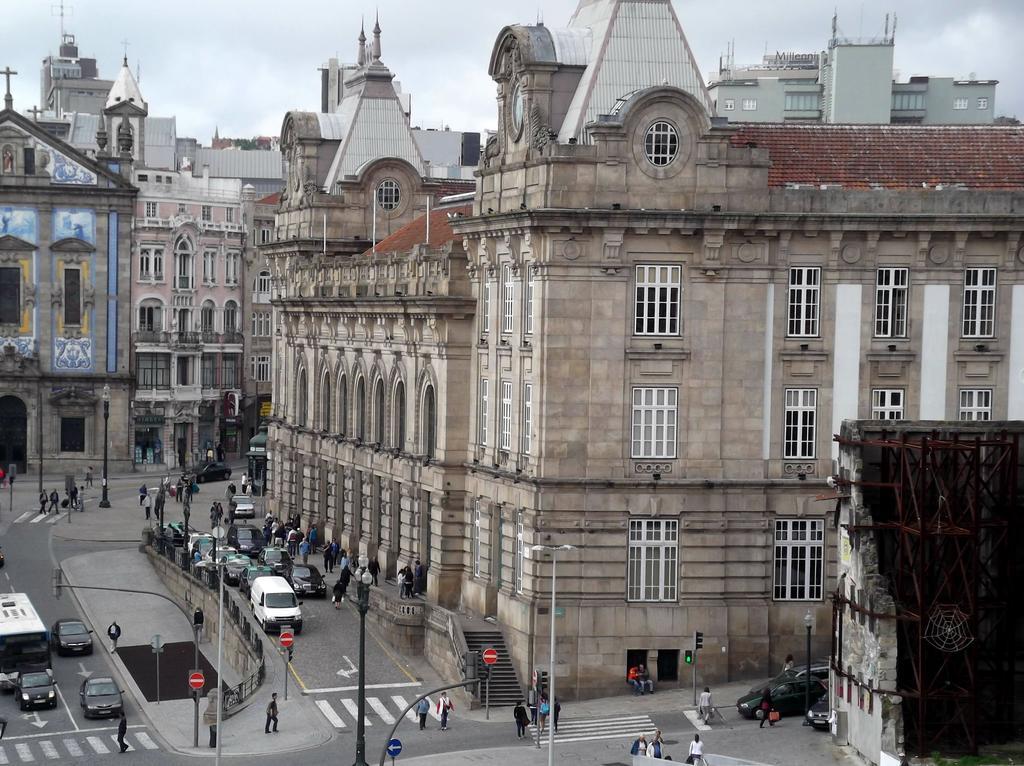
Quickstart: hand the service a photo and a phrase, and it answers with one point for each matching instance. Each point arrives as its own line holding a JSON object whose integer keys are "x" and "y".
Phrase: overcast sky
{"x": 241, "y": 64}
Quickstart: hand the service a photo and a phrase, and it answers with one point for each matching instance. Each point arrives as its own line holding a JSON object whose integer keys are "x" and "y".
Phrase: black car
{"x": 788, "y": 697}
{"x": 819, "y": 713}
{"x": 100, "y": 698}
{"x": 214, "y": 471}
{"x": 36, "y": 689}
{"x": 276, "y": 558}
{"x": 70, "y": 637}
{"x": 250, "y": 573}
{"x": 306, "y": 580}
{"x": 246, "y": 539}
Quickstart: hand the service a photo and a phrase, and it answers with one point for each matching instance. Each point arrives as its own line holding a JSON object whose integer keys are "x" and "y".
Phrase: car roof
{"x": 275, "y": 584}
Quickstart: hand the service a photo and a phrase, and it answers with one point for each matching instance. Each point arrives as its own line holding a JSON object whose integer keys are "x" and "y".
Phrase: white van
{"x": 274, "y": 604}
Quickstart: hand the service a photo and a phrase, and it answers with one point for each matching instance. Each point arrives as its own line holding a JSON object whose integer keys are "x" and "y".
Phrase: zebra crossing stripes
{"x": 380, "y": 709}
{"x": 49, "y": 751}
{"x": 353, "y": 710}
{"x": 332, "y": 717}
{"x": 73, "y": 749}
{"x": 401, "y": 704}
{"x": 583, "y": 729}
{"x": 97, "y": 745}
{"x": 146, "y": 741}
{"x": 24, "y": 753}
{"x": 34, "y": 517}
{"x": 385, "y": 709}
{"x": 35, "y": 750}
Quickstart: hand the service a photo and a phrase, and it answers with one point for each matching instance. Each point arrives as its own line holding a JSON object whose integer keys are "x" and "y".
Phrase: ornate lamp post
{"x": 364, "y": 580}
{"x": 105, "y": 501}
{"x": 808, "y": 623}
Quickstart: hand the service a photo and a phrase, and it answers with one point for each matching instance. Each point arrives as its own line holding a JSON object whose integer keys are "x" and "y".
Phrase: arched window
{"x": 325, "y": 402}
{"x": 184, "y": 320}
{"x": 360, "y": 411}
{"x": 301, "y": 399}
{"x": 183, "y": 257}
{"x": 262, "y": 287}
{"x": 206, "y": 317}
{"x": 378, "y": 413}
{"x": 230, "y": 317}
{"x": 398, "y": 416}
{"x": 343, "y": 405}
{"x": 150, "y": 315}
{"x": 429, "y": 425}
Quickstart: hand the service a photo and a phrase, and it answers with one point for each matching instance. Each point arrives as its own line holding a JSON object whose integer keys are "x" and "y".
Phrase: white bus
{"x": 24, "y": 640}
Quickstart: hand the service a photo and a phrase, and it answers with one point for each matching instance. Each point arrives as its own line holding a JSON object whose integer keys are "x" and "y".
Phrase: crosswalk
{"x": 581, "y": 729}
{"x": 35, "y": 517}
{"x": 344, "y": 711}
{"x": 58, "y": 748}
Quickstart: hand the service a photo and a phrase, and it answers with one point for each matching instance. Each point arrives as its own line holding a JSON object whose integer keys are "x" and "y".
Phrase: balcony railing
{"x": 186, "y": 339}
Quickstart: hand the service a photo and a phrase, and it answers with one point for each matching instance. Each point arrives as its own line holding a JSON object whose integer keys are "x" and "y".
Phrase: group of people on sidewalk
{"x": 655, "y": 748}
{"x": 52, "y": 503}
{"x": 538, "y": 715}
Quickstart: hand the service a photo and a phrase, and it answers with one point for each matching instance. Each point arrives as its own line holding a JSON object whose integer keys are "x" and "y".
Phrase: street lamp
{"x": 364, "y": 580}
{"x": 554, "y": 549}
{"x": 105, "y": 501}
{"x": 808, "y": 623}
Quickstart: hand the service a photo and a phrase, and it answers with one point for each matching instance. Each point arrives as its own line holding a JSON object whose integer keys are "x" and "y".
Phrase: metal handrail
{"x": 236, "y": 695}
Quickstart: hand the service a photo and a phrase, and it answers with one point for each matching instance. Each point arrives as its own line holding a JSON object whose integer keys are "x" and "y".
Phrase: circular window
{"x": 518, "y": 108}
{"x": 389, "y": 194}
{"x": 661, "y": 144}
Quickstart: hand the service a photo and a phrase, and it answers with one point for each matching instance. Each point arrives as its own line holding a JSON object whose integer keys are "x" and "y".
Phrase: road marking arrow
{"x": 38, "y": 723}
{"x": 351, "y": 668}
{"x": 82, "y": 671}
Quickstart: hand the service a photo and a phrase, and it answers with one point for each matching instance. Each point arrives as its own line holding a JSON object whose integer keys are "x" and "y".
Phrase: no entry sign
{"x": 287, "y": 637}
{"x": 196, "y": 679}
{"x": 490, "y": 656}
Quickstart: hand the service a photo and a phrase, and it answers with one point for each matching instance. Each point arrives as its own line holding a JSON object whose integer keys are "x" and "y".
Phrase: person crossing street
{"x": 422, "y": 708}
{"x": 444, "y": 707}
{"x": 271, "y": 714}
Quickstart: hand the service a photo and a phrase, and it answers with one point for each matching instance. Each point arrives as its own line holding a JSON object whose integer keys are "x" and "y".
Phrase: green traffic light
{"x": 688, "y": 657}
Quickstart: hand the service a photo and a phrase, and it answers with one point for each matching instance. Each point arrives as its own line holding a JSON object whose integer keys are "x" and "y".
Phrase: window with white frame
{"x": 654, "y": 422}
{"x": 508, "y": 299}
{"x": 264, "y": 235}
{"x": 389, "y": 194}
{"x": 485, "y": 390}
{"x": 207, "y": 213}
{"x": 749, "y": 105}
{"x": 729, "y": 105}
{"x": 476, "y": 539}
{"x": 263, "y": 283}
{"x": 229, "y": 214}
{"x": 209, "y": 267}
{"x": 891, "y": 285}
{"x": 960, "y": 103}
{"x": 804, "y": 294}
{"x": 801, "y": 422}
{"x": 653, "y": 560}
{"x": 657, "y": 300}
{"x": 661, "y": 143}
{"x": 231, "y": 264}
{"x": 975, "y": 404}
{"x": 528, "y": 306}
{"x": 887, "y": 404}
{"x": 520, "y": 557}
{"x": 261, "y": 324}
{"x": 505, "y": 441}
{"x": 799, "y": 559}
{"x": 183, "y": 267}
{"x": 260, "y": 368}
{"x": 983, "y": 103}
{"x": 145, "y": 263}
{"x": 230, "y": 317}
{"x": 979, "y": 302}
{"x": 151, "y": 210}
{"x": 526, "y": 428}
{"x": 485, "y": 305}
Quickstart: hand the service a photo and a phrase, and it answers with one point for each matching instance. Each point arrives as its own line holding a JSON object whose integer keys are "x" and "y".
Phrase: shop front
{"x": 149, "y": 444}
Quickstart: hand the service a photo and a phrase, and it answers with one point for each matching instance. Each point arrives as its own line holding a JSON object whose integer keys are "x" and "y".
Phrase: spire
{"x": 362, "y": 45}
{"x": 125, "y": 91}
{"x": 216, "y": 132}
{"x": 376, "y": 41}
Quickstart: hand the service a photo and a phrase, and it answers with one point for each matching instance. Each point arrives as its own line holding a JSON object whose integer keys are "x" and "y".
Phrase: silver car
{"x": 243, "y": 507}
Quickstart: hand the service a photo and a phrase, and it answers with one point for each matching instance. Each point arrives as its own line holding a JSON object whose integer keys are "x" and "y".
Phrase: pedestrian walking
{"x": 312, "y": 537}
{"x": 705, "y": 708}
{"x": 444, "y": 707}
{"x": 766, "y": 708}
{"x": 522, "y": 719}
{"x": 408, "y": 581}
{"x": 179, "y": 489}
{"x": 400, "y": 579}
{"x": 789, "y": 664}
{"x": 328, "y": 562}
{"x": 54, "y": 499}
{"x": 122, "y": 729}
{"x": 696, "y": 750}
{"x": 554, "y": 713}
{"x": 639, "y": 746}
{"x": 271, "y": 714}
{"x": 293, "y": 543}
{"x": 88, "y": 477}
{"x": 420, "y": 578}
{"x": 422, "y": 708}
{"x": 245, "y": 484}
{"x": 147, "y": 503}
{"x": 304, "y": 551}
{"x": 344, "y": 578}
{"x": 374, "y": 569}
{"x": 338, "y": 594}
{"x": 343, "y": 561}
{"x": 656, "y": 747}
{"x": 543, "y": 710}
{"x": 114, "y": 633}
{"x": 43, "y": 500}
{"x": 143, "y": 492}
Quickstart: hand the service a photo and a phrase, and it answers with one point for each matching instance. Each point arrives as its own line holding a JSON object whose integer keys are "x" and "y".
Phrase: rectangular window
{"x": 750, "y": 105}
{"x": 799, "y": 559}
{"x": 526, "y": 434}
{"x": 960, "y": 103}
{"x": 975, "y": 404}
{"x": 505, "y": 442}
{"x": 528, "y": 307}
{"x": 229, "y": 374}
{"x": 979, "y": 302}
{"x": 907, "y": 102}
{"x": 804, "y": 293}
{"x": 729, "y": 105}
{"x": 184, "y": 271}
{"x": 801, "y": 102}
{"x": 657, "y": 300}
{"x": 508, "y": 295}
{"x": 263, "y": 282}
{"x": 264, "y": 236}
{"x": 485, "y": 308}
{"x": 261, "y": 324}
{"x": 653, "y": 560}
{"x": 153, "y": 370}
{"x": 145, "y": 263}
{"x": 10, "y": 295}
{"x": 210, "y": 267}
{"x": 259, "y": 369}
{"x": 231, "y": 269}
{"x": 229, "y": 214}
{"x": 887, "y": 404}
{"x": 151, "y": 210}
{"x": 72, "y": 296}
{"x": 184, "y": 369}
{"x": 654, "y": 422}
{"x": 520, "y": 558}
{"x": 476, "y": 539}
{"x": 72, "y": 434}
{"x": 485, "y": 388}
{"x": 983, "y": 103}
{"x": 891, "y": 285}
{"x": 801, "y": 419}
{"x": 182, "y": 208}
{"x": 207, "y": 213}
{"x": 209, "y": 371}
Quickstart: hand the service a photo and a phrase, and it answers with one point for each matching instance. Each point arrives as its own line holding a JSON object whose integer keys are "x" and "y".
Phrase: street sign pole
{"x": 158, "y": 646}
{"x": 287, "y": 670}
{"x": 487, "y": 695}
{"x": 287, "y": 638}
{"x": 694, "y": 668}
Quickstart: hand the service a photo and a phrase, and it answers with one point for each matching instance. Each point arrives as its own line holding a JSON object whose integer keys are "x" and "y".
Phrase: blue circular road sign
{"x": 394, "y": 747}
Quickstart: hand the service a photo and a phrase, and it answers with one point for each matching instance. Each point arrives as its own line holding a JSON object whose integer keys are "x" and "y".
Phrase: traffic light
{"x": 58, "y": 581}
{"x": 698, "y": 640}
{"x": 688, "y": 657}
{"x": 290, "y": 651}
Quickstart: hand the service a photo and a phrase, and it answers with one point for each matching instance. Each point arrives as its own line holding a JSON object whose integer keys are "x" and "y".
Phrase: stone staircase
{"x": 505, "y": 688}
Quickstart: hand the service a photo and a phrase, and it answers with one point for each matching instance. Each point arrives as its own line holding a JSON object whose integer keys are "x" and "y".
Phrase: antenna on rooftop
{"x": 60, "y": 10}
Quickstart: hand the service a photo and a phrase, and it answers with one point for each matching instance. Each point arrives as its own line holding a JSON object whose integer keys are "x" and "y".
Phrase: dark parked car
{"x": 819, "y": 670}
{"x": 819, "y": 713}
{"x": 246, "y": 539}
{"x": 36, "y": 689}
{"x": 249, "y": 574}
{"x": 787, "y": 697}
{"x": 70, "y": 637}
{"x": 278, "y": 558}
{"x": 212, "y": 472}
{"x": 100, "y": 698}
{"x": 306, "y": 580}
{"x": 234, "y": 567}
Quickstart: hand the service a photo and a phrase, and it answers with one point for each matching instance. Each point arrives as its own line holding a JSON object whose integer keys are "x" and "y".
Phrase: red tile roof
{"x": 449, "y": 187}
{"x": 270, "y": 199}
{"x": 890, "y": 156}
{"x": 415, "y": 232}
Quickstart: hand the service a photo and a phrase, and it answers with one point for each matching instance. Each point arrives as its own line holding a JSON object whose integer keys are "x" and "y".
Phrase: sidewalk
{"x": 140, "y": 617}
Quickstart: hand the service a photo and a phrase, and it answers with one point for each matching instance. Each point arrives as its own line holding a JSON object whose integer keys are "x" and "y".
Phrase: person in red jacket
{"x": 444, "y": 705}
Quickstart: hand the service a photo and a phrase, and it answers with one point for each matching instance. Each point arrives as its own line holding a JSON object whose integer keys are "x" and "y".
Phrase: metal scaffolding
{"x": 943, "y": 510}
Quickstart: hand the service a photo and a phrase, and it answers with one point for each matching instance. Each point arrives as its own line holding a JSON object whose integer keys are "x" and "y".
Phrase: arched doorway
{"x": 13, "y": 433}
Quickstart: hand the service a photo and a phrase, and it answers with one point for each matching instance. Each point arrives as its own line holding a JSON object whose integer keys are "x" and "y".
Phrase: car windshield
{"x": 246, "y": 535}
{"x": 33, "y": 680}
{"x": 275, "y": 555}
{"x": 280, "y": 600}
{"x": 101, "y": 687}
{"x": 301, "y": 572}
{"x": 73, "y": 629}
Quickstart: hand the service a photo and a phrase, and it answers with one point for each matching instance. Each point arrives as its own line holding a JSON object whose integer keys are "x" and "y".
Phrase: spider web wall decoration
{"x": 948, "y": 629}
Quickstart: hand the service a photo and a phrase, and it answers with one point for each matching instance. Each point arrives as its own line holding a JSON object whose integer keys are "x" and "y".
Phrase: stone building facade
{"x": 65, "y": 234}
